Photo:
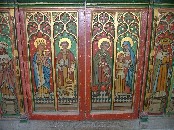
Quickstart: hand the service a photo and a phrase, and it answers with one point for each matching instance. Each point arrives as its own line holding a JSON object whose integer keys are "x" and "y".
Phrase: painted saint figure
{"x": 6, "y": 70}
{"x": 161, "y": 78}
{"x": 162, "y": 67}
{"x": 129, "y": 64}
{"x": 7, "y": 83}
{"x": 42, "y": 67}
{"x": 66, "y": 68}
{"x": 102, "y": 66}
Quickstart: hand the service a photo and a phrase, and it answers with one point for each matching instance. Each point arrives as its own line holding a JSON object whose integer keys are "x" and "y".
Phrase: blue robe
{"x": 44, "y": 79}
{"x": 131, "y": 69}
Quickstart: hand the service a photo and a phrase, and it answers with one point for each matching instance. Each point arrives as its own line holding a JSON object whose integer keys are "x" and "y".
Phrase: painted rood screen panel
{"x": 11, "y": 92}
{"x": 115, "y": 39}
{"x": 160, "y": 79}
{"x": 53, "y": 43}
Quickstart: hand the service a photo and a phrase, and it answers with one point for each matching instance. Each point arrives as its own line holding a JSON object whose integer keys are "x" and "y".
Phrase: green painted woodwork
{"x": 88, "y": 1}
{"x": 118, "y": 1}
{"x": 51, "y": 1}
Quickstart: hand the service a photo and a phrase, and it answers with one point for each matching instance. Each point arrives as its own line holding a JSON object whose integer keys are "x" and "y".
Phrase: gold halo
{"x": 65, "y": 40}
{"x": 39, "y": 41}
{"x": 126, "y": 39}
{"x": 102, "y": 40}
{"x": 165, "y": 41}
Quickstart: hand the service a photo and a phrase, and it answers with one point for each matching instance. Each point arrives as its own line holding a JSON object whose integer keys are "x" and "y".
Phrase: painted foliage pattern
{"x": 53, "y": 58}
{"x": 159, "y": 91}
{"x": 11, "y": 95}
{"x": 114, "y": 63}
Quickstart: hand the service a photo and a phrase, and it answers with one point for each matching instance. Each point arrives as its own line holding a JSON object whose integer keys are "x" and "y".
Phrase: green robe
{"x": 102, "y": 65}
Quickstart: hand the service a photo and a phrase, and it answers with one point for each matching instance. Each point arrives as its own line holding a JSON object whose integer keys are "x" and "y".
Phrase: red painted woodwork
{"x": 20, "y": 47}
{"x": 148, "y": 35}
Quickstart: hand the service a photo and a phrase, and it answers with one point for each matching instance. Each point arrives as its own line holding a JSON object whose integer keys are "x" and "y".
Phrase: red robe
{"x": 64, "y": 61}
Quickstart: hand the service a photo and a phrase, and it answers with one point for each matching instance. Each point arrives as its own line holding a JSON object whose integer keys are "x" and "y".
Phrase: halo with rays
{"x": 65, "y": 40}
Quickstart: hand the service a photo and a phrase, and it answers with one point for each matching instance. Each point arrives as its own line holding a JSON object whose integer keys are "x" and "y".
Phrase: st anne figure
{"x": 129, "y": 57}
{"x": 65, "y": 65}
